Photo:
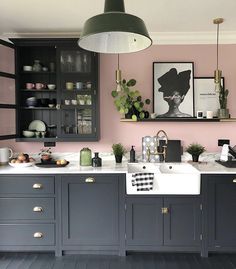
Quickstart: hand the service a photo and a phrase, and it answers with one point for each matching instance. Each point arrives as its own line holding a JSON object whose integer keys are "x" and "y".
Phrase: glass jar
{"x": 85, "y": 157}
{"x": 37, "y": 67}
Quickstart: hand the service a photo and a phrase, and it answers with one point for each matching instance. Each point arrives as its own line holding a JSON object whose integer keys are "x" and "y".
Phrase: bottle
{"x": 132, "y": 155}
{"x": 96, "y": 161}
{"x": 85, "y": 157}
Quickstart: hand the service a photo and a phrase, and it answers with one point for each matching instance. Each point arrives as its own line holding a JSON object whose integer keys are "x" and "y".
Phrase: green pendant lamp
{"x": 114, "y": 31}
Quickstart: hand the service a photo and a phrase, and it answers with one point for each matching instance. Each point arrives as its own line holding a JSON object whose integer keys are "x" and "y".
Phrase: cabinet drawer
{"x": 27, "y": 234}
{"x": 27, "y": 185}
{"x": 26, "y": 208}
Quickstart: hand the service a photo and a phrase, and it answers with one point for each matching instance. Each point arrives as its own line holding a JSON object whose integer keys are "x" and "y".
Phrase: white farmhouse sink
{"x": 169, "y": 178}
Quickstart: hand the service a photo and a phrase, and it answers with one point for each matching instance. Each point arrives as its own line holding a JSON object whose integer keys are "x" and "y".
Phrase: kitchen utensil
{"x": 21, "y": 165}
{"x": 79, "y": 85}
{"x": 37, "y": 125}
{"x": 27, "y": 68}
{"x": 30, "y": 86}
{"x": 37, "y": 67}
{"x": 5, "y": 154}
{"x": 39, "y": 86}
{"x": 31, "y": 101}
{"x": 44, "y": 102}
{"x": 69, "y": 85}
{"x": 51, "y": 86}
{"x": 51, "y": 164}
{"x": 27, "y": 133}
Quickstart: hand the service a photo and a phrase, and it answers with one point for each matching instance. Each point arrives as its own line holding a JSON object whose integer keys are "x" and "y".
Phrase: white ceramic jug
{"x": 5, "y": 154}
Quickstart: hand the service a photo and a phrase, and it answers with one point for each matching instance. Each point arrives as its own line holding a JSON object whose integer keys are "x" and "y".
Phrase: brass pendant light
{"x": 217, "y": 72}
{"x": 118, "y": 76}
{"x": 114, "y": 31}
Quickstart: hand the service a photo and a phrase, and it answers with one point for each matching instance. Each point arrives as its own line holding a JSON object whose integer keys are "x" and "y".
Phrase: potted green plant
{"x": 119, "y": 151}
{"x": 129, "y": 101}
{"x": 223, "y": 112}
{"x": 195, "y": 150}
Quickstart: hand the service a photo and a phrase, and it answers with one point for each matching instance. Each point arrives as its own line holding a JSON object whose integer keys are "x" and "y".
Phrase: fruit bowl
{"x": 21, "y": 165}
{"x": 22, "y": 160}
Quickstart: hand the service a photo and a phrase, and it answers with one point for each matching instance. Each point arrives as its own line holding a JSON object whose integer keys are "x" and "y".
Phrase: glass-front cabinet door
{"x": 57, "y": 91}
{"x": 78, "y": 93}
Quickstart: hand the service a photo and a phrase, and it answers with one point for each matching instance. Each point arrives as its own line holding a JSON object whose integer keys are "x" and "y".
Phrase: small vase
{"x": 46, "y": 158}
{"x": 118, "y": 158}
{"x": 195, "y": 158}
{"x": 37, "y": 67}
{"x": 223, "y": 113}
{"x": 96, "y": 161}
{"x": 85, "y": 157}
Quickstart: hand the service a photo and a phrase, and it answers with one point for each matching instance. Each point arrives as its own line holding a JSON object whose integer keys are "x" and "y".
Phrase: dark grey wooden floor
{"x": 134, "y": 261}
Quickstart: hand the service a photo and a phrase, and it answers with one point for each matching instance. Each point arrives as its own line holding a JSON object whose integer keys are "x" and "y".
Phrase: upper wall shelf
{"x": 181, "y": 120}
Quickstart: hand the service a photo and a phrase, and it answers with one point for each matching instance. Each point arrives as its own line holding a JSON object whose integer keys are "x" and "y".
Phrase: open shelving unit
{"x": 180, "y": 120}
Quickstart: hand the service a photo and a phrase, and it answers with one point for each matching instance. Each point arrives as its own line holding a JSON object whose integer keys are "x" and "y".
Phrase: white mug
{"x": 5, "y": 154}
{"x": 209, "y": 114}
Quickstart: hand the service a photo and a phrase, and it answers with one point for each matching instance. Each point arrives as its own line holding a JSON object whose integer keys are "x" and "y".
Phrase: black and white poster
{"x": 173, "y": 89}
{"x": 205, "y": 96}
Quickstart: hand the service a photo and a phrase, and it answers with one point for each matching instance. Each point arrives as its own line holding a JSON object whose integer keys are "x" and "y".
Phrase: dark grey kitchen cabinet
{"x": 182, "y": 221}
{"x": 28, "y": 213}
{"x": 163, "y": 222}
{"x": 90, "y": 212}
{"x": 144, "y": 222}
{"x": 220, "y": 204}
{"x": 61, "y": 61}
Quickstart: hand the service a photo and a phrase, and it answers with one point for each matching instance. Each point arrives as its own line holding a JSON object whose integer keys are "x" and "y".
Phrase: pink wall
{"x": 139, "y": 66}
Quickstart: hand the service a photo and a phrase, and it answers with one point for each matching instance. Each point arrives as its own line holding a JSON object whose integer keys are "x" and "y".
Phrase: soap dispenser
{"x": 132, "y": 155}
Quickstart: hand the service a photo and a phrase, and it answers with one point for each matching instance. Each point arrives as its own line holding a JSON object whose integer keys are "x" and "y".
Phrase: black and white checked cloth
{"x": 143, "y": 181}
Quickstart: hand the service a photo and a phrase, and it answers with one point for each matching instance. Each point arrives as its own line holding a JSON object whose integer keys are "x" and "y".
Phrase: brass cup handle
{"x": 38, "y": 235}
{"x": 90, "y": 180}
{"x": 37, "y": 186}
{"x": 234, "y": 180}
{"x": 164, "y": 210}
{"x": 38, "y": 209}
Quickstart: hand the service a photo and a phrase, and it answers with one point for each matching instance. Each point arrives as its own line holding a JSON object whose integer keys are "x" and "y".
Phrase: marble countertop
{"x": 72, "y": 168}
{"x": 206, "y": 166}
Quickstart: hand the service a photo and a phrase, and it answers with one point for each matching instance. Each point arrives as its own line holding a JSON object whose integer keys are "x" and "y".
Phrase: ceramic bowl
{"x": 28, "y": 134}
{"x": 31, "y": 101}
{"x": 44, "y": 102}
{"x": 51, "y": 86}
{"x": 27, "y": 68}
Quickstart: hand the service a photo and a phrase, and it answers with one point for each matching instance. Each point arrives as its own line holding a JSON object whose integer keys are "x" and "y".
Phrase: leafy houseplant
{"x": 129, "y": 102}
{"x": 223, "y": 112}
{"x": 195, "y": 150}
{"x": 119, "y": 151}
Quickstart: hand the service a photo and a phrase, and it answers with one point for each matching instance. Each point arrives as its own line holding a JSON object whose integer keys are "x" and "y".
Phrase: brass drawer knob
{"x": 90, "y": 180}
{"x": 234, "y": 180}
{"x": 38, "y": 235}
{"x": 38, "y": 209}
{"x": 37, "y": 186}
{"x": 164, "y": 210}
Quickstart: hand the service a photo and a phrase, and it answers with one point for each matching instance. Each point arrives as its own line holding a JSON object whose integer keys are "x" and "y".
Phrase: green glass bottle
{"x": 85, "y": 157}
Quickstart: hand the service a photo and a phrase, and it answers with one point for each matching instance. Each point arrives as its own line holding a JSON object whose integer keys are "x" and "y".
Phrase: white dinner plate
{"x": 21, "y": 165}
{"x": 37, "y": 125}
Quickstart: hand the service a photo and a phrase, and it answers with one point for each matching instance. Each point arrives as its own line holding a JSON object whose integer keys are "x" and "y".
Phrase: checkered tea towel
{"x": 143, "y": 181}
